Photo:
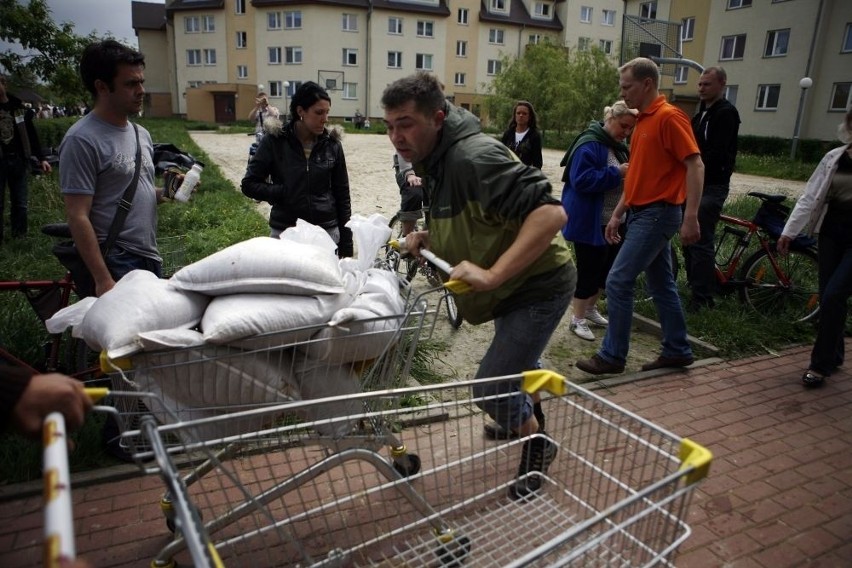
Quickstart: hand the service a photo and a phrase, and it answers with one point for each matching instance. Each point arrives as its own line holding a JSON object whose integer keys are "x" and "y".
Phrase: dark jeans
{"x": 119, "y": 262}
{"x": 593, "y": 264}
{"x": 13, "y": 172}
{"x": 700, "y": 258}
{"x": 835, "y": 288}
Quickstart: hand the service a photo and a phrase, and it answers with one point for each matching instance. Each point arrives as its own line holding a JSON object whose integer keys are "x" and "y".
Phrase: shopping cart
{"x": 617, "y": 493}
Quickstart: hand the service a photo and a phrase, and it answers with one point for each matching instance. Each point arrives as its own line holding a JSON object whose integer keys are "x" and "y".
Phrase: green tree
{"x": 567, "y": 88}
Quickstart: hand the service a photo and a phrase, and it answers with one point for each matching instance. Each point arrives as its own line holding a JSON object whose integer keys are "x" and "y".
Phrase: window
{"x": 274, "y": 55}
{"x": 293, "y": 55}
{"x": 731, "y": 93}
{"x": 395, "y": 59}
{"x": 495, "y": 36}
{"x": 458, "y": 79}
{"x": 841, "y": 97}
{"x": 733, "y": 47}
{"x": 242, "y": 40}
{"x": 461, "y": 48}
{"x": 242, "y": 71}
{"x": 606, "y": 46}
{"x": 350, "y": 56}
{"x": 350, "y": 22}
{"x": 208, "y": 24}
{"x": 191, "y": 24}
{"x": 425, "y": 28}
{"x": 608, "y": 18}
{"x": 498, "y": 5}
{"x": 648, "y": 10}
{"x": 847, "y": 40}
{"x": 586, "y": 14}
{"x": 423, "y": 61}
{"x": 681, "y": 74}
{"x": 293, "y": 20}
{"x": 210, "y": 57}
{"x": 542, "y": 10}
{"x": 240, "y": 7}
{"x": 738, "y": 4}
{"x": 350, "y": 90}
{"x": 776, "y": 43}
{"x": 193, "y": 57}
{"x": 294, "y": 86}
{"x": 584, "y": 43}
{"x": 767, "y": 97}
{"x": 462, "y": 17}
{"x": 194, "y": 84}
{"x": 687, "y": 29}
{"x": 395, "y": 26}
{"x": 273, "y": 21}
{"x": 275, "y": 89}
{"x": 535, "y": 39}
{"x": 494, "y": 66}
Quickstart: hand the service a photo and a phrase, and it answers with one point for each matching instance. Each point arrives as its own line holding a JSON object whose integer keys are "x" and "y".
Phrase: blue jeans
{"x": 119, "y": 262}
{"x": 835, "y": 288}
{"x": 519, "y": 340}
{"x": 700, "y": 257}
{"x": 13, "y": 172}
{"x": 646, "y": 248}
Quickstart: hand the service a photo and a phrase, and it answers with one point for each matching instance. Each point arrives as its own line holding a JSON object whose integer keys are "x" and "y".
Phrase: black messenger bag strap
{"x": 126, "y": 201}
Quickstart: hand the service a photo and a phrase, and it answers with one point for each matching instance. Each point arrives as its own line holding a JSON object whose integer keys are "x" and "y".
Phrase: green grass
{"x": 774, "y": 166}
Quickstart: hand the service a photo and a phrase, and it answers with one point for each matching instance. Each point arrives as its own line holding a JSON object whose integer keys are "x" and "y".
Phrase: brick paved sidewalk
{"x": 779, "y": 492}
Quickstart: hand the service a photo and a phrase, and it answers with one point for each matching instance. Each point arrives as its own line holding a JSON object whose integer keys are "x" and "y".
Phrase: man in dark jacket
{"x": 18, "y": 141}
{"x": 495, "y": 220}
{"x": 715, "y": 125}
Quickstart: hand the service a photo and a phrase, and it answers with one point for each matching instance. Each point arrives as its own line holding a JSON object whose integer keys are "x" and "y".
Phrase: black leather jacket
{"x": 315, "y": 189}
{"x": 716, "y": 132}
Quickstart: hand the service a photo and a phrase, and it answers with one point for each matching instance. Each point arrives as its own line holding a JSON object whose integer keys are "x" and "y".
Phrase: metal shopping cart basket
{"x": 616, "y": 494}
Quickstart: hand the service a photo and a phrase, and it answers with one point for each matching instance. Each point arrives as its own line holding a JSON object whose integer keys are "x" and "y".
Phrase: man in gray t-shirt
{"x": 97, "y": 163}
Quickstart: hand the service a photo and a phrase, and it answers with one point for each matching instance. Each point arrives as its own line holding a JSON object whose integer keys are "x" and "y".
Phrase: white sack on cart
{"x": 139, "y": 302}
{"x": 263, "y": 265}
{"x": 71, "y": 316}
{"x": 237, "y": 318}
{"x": 309, "y": 234}
{"x": 369, "y": 234}
{"x": 364, "y": 329}
{"x": 170, "y": 339}
{"x": 316, "y": 379}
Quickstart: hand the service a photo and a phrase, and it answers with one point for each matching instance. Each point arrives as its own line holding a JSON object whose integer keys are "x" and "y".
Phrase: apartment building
{"x": 767, "y": 47}
{"x": 219, "y": 52}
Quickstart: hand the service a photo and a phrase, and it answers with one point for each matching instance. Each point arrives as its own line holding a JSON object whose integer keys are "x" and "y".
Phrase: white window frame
{"x": 542, "y": 10}
{"x": 459, "y": 79}
{"x": 648, "y": 10}
{"x": 397, "y": 56}
{"x": 496, "y": 36}
{"x": 499, "y": 6}
{"x": 493, "y": 67}
{"x": 273, "y": 21}
{"x": 586, "y": 14}
{"x": 239, "y": 6}
{"x": 608, "y": 17}
{"x": 772, "y": 47}
{"x": 191, "y": 25}
{"x": 463, "y": 17}
{"x": 763, "y": 94}
{"x": 846, "y": 105}
{"x": 293, "y": 55}
{"x": 461, "y": 48}
{"x": 394, "y": 29}
{"x": 425, "y": 28}
{"x": 193, "y": 58}
{"x": 242, "y": 40}
{"x": 275, "y": 90}
{"x": 273, "y": 55}
{"x": 534, "y": 39}
{"x": 293, "y": 20}
{"x": 350, "y": 57}
{"x": 194, "y": 84}
{"x": 208, "y": 24}
{"x": 687, "y": 29}
{"x": 350, "y": 91}
{"x": 242, "y": 71}
{"x": 846, "y": 46}
{"x": 605, "y": 45}
{"x": 210, "y": 57}
{"x": 294, "y": 86}
{"x": 736, "y": 40}
{"x": 584, "y": 43}
{"x": 737, "y": 4}
{"x": 423, "y": 61}
{"x": 681, "y": 75}
{"x": 349, "y": 22}
{"x": 731, "y": 92}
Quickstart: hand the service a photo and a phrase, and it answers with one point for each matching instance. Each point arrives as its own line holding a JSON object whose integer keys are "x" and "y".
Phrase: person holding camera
{"x": 261, "y": 111}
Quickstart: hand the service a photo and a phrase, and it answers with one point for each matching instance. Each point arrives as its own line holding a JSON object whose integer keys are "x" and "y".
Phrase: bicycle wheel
{"x": 453, "y": 314}
{"x": 767, "y": 293}
{"x": 405, "y": 266}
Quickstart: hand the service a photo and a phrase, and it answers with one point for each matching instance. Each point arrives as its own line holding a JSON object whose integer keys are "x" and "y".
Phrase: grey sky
{"x": 102, "y": 15}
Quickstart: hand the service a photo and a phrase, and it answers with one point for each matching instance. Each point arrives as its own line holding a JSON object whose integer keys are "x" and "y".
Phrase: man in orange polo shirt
{"x": 665, "y": 170}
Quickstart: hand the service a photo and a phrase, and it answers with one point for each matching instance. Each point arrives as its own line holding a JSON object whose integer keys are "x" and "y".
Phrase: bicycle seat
{"x": 58, "y": 230}
{"x": 767, "y": 197}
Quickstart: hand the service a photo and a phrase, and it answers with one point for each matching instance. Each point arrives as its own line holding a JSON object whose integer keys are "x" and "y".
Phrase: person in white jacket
{"x": 825, "y": 209}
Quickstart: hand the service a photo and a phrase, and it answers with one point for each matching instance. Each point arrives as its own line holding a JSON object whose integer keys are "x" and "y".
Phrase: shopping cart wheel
{"x": 454, "y": 553}
{"x": 409, "y": 464}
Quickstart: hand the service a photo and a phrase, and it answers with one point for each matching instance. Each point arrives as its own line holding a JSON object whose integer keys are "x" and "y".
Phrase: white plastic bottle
{"x": 190, "y": 180}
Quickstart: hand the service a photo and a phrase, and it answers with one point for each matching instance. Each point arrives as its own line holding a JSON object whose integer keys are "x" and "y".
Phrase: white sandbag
{"x": 170, "y": 339}
{"x": 369, "y": 234}
{"x": 139, "y": 302}
{"x": 309, "y": 234}
{"x": 314, "y": 380}
{"x": 236, "y": 319}
{"x": 263, "y": 265}
{"x": 364, "y": 329}
{"x": 69, "y": 316}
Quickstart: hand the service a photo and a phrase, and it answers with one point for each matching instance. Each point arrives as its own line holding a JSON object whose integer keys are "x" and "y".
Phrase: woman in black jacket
{"x": 522, "y": 136}
{"x": 300, "y": 170}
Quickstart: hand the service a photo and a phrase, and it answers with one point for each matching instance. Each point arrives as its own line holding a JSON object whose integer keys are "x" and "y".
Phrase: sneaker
{"x": 595, "y": 317}
{"x": 580, "y": 327}
{"x": 537, "y": 455}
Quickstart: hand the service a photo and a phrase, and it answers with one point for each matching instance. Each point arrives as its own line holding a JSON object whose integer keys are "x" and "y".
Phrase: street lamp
{"x": 286, "y": 85}
{"x": 805, "y": 83}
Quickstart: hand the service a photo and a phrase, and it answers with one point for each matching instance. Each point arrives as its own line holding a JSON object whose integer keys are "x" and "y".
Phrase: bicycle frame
{"x": 725, "y": 273}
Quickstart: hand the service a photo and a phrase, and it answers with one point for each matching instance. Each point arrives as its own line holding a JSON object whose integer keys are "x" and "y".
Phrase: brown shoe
{"x": 663, "y": 362}
{"x": 598, "y": 366}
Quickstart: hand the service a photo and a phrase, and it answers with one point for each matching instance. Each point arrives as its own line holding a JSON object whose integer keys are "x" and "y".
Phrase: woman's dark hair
{"x": 306, "y": 96}
{"x": 100, "y": 61}
{"x": 533, "y": 121}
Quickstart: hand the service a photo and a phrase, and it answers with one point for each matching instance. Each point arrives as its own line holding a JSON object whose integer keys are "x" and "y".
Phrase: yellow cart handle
{"x": 695, "y": 456}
